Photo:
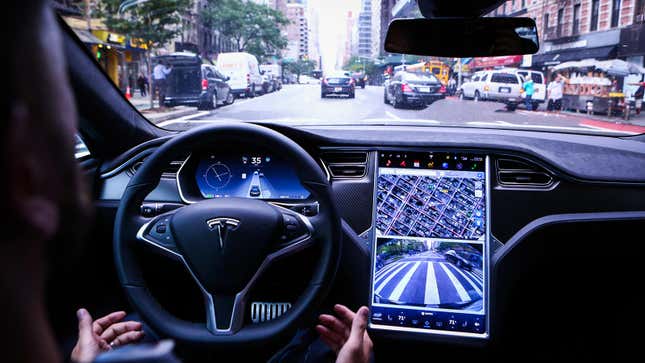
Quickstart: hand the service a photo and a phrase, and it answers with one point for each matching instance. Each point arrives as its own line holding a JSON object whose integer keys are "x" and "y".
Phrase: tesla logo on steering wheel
{"x": 223, "y": 225}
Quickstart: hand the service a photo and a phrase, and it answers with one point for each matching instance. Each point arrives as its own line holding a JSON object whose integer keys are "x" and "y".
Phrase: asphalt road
{"x": 427, "y": 279}
{"x": 301, "y": 104}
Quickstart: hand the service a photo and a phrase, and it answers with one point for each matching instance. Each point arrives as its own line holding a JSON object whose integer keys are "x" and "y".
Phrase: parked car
{"x": 267, "y": 84}
{"x": 337, "y": 83}
{"x": 413, "y": 89}
{"x": 453, "y": 257}
{"x": 274, "y": 71}
{"x": 244, "y": 72}
{"x": 193, "y": 83}
{"x": 499, "y": 85}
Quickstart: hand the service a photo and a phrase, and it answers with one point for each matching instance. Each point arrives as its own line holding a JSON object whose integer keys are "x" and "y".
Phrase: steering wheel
{"x": 226, "y": 244}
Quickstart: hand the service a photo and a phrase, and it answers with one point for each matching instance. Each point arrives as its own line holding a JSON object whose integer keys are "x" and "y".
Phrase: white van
{"x": 244, "y": 73}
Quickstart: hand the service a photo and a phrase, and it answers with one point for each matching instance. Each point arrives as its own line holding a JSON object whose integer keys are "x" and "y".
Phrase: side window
{"x": 209, "y": 73}
{"x": 537, "y": 77}
{"x": 505, "y": 78}
{"x": 476, "y": 79}
{"x": 485, "y": 77}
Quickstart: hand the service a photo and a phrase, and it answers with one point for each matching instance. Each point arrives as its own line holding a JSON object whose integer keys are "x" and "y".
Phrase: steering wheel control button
{"x": 293, "y": 227}
{"x": 161, "y": 228}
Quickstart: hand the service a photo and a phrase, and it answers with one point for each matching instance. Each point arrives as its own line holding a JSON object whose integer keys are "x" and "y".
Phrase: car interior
{"x": 234, "y": 271}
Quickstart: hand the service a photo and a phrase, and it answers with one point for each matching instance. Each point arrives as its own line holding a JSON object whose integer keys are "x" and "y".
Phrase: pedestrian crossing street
{"x": 427, "y": 281}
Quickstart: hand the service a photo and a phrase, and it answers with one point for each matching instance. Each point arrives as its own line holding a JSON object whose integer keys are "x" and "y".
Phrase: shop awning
{"x": 557, "y": 57}
{"x": 87, "y": 37}
{"x": 491, "y": 62}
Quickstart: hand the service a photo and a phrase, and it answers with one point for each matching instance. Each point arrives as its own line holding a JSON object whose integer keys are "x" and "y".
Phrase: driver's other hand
{"x": 95, "y": 337}
{"x": 346, "y": 334}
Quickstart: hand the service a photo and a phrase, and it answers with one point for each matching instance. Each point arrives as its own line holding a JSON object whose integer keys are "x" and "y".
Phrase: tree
{"x": 155, "y": 22}
{"x": 254, "y": 28}
{"x": 301, "y": 66}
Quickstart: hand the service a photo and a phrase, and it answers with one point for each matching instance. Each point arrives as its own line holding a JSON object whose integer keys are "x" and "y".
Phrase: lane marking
{"x": 398, "y": 290}
{"x": 431, "y": 296}
{"x": 471, "y": 282}
{"x": 387, "y": 268}
{"x": 390, "y": 277}
{"x": 463, "y": 294}
{"x": 392, "y": 116}
{"x": 184, "y": 118}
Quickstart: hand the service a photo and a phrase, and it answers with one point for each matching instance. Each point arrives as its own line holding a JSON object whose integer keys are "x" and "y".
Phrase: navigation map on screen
{"x": 430, "y": 250}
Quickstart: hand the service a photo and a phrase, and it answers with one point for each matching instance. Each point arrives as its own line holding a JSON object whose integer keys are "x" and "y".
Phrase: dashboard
{"x": 528, "y": 180}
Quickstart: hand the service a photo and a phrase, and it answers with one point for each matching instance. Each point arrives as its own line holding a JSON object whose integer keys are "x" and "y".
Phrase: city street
{"x": 301, "y": 104}
{"x": 428, "y": 279}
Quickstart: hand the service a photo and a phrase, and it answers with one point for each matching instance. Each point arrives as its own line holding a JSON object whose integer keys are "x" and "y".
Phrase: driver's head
{"x": 42, "y": 193}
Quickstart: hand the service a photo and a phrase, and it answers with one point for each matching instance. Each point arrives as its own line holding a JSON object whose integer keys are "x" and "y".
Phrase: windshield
{"x": 322, "y": 62}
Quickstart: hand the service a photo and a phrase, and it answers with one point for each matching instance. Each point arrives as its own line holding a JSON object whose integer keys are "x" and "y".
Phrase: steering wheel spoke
{"x": 297, "y": 232}
{"x": 156, "y": 233}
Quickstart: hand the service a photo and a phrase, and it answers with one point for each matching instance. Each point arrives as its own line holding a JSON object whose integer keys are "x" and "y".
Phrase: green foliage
{"x": 254, "y": 28}
{"x": 155, "y": 21}
{"x": 300, "y": 66}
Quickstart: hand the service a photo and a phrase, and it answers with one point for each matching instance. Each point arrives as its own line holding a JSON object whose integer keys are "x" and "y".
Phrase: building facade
{"x": 365, "y": 29}
{"x": 297, "y": 32}
{"x": 580, "y": 29}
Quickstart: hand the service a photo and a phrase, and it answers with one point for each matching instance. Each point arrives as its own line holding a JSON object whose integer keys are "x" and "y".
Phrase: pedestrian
{"x": 528, "y": 92}
{"x": 638, "y": 97}
{"x": 554, "y": 93}
{"x": 159, "y": 74}
{"x": 141, "y": 84}
{"x": 452, "y": 86}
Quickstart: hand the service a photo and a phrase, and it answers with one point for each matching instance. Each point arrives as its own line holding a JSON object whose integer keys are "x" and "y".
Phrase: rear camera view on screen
{"x": 427, "y": 273}
{"x": 430, "y": 248}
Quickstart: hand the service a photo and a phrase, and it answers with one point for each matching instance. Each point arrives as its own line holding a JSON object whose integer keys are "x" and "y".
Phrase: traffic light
{"x": 98, "y": 54}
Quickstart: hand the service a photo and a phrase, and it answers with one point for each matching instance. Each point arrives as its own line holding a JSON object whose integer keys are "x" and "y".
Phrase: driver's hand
{"x": 95, "y": 337}
{"x": 346, "y": 334}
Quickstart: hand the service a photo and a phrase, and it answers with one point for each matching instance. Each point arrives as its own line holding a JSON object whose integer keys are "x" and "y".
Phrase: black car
{"x": 194, "y": 84}
{"x": 337, "y": 84}
{"x": 413, "y": 89}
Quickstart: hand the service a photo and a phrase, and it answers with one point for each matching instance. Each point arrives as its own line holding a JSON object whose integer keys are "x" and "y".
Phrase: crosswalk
{"x": 427, "y": 282}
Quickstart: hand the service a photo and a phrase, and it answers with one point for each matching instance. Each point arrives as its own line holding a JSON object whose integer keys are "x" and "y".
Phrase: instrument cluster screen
{"x": 252, "y": 175}
{"x": 430, "y": 249}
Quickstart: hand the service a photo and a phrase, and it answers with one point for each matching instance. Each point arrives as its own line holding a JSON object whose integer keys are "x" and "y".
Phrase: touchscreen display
{"x": 430, "y": 248}
{"x": 253, "y": 175}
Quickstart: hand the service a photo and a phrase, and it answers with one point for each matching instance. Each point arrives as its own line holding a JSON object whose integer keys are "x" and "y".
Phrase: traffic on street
{"x": 301, "y": 104}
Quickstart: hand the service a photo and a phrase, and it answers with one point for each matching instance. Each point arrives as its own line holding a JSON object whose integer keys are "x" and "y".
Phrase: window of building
{"x": 595, "y": 9}
{"x": 560, "y": 23}
{"x": 615, "y": 12}
{"x": 545, "y": 26}
{"x": 576, "y": 19}
{"x": 523, "y": 4}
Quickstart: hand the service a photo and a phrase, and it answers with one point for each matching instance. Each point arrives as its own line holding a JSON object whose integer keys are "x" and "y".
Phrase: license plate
{"x": 423, "y": 89}
{"x": 338, "y": 89}
{"x": 504, "y": 90}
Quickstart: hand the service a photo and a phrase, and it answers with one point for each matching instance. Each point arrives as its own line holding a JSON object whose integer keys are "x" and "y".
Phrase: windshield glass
{"x": 184, "y": 63}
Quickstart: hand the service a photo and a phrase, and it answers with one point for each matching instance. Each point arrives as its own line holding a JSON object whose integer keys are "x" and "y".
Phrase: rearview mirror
{"x": 457, "y": 37}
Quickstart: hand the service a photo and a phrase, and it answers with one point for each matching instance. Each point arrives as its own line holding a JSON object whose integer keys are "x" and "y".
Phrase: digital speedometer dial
{"x": 217, "y": 175}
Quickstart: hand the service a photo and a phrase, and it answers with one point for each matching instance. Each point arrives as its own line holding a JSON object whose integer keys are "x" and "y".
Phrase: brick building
{"x": 579, "y": 29}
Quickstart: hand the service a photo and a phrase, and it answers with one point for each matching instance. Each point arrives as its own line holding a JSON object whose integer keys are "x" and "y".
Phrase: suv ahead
{"x": 498, "y": 85}
{"x": 195, "y": 84}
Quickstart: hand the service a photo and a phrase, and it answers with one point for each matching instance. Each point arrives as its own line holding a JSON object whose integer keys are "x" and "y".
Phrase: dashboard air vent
{"x": 169, "y": 172}
{"x": 345, "y": 164}
{"x": 521, "y": 173}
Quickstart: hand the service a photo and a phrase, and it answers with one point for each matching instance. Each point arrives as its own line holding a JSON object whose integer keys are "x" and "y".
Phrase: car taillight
{"x": 406, "y": 88}
{"x": 324, "y": 81}
{"x": 351, "y": 81}
{"x": 486, "y": 88}
{"x": 204, "y": 84}
{"x": 442, "y": 89}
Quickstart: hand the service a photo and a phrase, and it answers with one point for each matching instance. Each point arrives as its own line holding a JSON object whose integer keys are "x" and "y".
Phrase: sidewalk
{"x": 157, "y": 115}
{"x": 635, "y": 124}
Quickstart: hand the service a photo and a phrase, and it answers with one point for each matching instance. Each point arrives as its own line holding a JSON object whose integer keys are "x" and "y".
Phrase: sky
{"x": 332, "y": 19}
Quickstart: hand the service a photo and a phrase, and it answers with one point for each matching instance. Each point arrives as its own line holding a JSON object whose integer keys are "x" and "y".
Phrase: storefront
{"x": 122, "y": 58}
{"x": 496, "y": 62}
{"x": 597, "y": 45}
{"x": 632, "y": 50}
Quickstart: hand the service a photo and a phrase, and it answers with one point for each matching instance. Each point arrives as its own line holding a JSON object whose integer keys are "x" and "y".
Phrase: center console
{"x": 430, "y": 250}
